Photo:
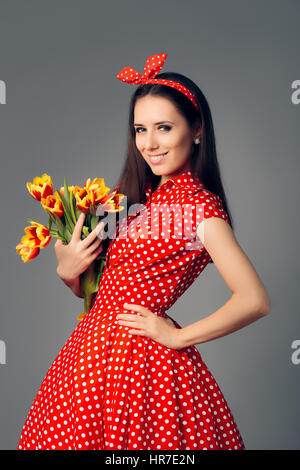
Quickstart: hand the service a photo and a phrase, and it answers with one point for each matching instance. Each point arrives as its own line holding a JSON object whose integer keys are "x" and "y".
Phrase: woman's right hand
{"x": 75, "y": 257}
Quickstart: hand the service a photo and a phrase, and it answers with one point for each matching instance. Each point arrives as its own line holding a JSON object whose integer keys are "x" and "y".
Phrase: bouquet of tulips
{"x": 64, "y": 207}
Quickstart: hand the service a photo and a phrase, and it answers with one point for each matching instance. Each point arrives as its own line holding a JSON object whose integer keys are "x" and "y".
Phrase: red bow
{"x": 152, "y": 68}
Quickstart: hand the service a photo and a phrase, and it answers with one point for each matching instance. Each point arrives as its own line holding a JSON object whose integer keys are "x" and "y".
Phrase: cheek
{"x": 139, "y": 142}
{"x": 140, "y": 146}
{"x": 181, "y": 145}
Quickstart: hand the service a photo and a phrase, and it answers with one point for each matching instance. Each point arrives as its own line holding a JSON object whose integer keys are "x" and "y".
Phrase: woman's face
{"x": 160, "y": 129}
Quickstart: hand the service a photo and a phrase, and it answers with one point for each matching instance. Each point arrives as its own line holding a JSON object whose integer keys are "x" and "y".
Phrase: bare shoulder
{"x": 215, "y": 229}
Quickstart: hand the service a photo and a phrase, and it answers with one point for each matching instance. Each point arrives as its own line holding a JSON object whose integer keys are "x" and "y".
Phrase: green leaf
{"x": 85, "y": 231}
{"x": 55, "y": 234}
{"x": 66, "y": 191}
{"x": 94, "y": 221}
{"x": 77, "y": 212}
{"x": 72, "y": 202}
{"x": 60, "y": 226}
{"x": 52, "y": 217}
{"x": 65, "y": 203}
{"x": 67, "y": 234}
{"x": 67, "y": 213}
{"x": 50, "y": 221}
{"x": 100, "y": 271}
{"x": 88, "y": 219}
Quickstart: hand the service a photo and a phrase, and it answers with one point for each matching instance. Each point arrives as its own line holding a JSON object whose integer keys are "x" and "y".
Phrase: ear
{"x": 197, "y": 131}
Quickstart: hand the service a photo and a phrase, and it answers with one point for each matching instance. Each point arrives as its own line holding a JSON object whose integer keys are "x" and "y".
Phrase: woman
{"x": 130, "y": 377}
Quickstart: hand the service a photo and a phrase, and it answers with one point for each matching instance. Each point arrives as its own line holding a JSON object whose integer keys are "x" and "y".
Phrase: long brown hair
{"x": 204, "y": 162}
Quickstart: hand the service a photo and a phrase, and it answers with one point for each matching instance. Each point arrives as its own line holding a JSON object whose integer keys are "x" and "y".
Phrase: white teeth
{"x": 157, "y": 157}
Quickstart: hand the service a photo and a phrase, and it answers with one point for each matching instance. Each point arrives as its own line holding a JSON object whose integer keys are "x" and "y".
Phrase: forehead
{"x": 154, "y": 108}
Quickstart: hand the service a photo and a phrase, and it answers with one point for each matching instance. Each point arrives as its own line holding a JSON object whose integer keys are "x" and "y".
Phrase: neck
{"x": 165, "y": 178}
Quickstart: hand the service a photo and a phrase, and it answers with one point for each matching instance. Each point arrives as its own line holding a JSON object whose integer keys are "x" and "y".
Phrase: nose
{"x": 150, "y": 141}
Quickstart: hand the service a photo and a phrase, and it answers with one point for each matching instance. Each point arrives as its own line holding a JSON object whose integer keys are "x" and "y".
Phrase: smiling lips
{"x": 157, "y": 158}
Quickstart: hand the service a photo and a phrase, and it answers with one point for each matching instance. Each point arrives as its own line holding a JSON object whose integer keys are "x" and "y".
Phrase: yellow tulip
{"x": 36, "y": 236}
{"x": 26, "y": 252}
{"x": 110, "y": 203}
{"x": 62, "y": 189}
{"x": 84, "y": 198}
{"x": 53, "y": 204}
{"x": 96, "y": 183}
{"x": 41, "y": 187}
{"x": 98, "y": 188}
{"x": 40, "y": 233}
{"x": 97, "y": 193}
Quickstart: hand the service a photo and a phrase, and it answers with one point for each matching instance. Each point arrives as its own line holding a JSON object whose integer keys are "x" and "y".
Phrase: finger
{"x": 129, "y": 324}
{"x": 91, "y": 257}
{"x": 58, "y": 243}
{"x": 127, "y": 317}
{"x": 78, "y": 227}
{"x": 129, "y": 306}
{"x": 94, "y": 233}
{"x": 97, "y": 252}
{"x": 136, "y": 308}
{"x": 95, "y": 247}
{"x": 137, "y": 332}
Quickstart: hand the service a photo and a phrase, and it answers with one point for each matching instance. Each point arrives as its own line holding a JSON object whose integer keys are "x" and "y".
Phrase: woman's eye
{"x": 138, "y": 128}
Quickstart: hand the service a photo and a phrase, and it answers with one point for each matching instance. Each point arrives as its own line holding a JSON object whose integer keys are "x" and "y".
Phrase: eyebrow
{"x": 159, "y": 122}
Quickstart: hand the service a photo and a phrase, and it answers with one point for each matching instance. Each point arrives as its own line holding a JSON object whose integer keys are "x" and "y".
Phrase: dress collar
{"x": 186, "y": 181}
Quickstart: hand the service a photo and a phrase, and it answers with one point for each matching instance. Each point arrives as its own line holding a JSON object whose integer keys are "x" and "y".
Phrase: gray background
{"x": 66, "y": 114}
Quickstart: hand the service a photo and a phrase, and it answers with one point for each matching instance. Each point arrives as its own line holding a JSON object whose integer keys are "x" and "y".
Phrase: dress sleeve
{"x": 213, "y": 207}
{"x": 200, "y": 206}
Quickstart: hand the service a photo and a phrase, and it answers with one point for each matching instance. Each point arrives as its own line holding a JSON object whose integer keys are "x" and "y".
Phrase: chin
{"x": 158, "y": 171}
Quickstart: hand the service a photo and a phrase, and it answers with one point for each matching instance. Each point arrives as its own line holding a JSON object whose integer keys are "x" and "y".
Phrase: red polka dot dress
{"x": 112, "y": 390}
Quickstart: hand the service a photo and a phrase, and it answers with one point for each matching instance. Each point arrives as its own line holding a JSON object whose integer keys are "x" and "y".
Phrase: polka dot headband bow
{"x": 152, "y": 68}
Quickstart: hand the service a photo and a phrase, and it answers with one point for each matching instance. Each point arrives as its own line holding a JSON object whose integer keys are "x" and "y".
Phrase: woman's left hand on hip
{"x": 147, "y": 323}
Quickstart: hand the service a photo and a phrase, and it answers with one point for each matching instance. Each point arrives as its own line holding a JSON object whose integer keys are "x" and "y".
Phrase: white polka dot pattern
{"x": 152, "y": 68}
{"x": 108, "y": 389}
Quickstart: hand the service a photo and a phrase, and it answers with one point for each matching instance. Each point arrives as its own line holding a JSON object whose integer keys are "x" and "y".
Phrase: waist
{"x": 116, "y": 305}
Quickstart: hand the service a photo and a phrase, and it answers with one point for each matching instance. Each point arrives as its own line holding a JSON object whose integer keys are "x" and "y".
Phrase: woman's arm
{"x": 73, "y": 284}
{"x": 249, "y": 300}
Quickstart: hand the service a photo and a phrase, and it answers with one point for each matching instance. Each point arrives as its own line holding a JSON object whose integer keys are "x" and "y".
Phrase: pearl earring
{"x": 197, "y": 141}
